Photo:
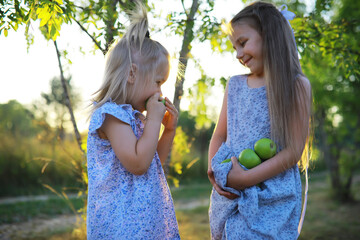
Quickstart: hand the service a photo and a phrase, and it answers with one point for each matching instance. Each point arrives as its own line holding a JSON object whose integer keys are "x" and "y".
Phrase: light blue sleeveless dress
{"x": 122, "y": 205}
{"x": 268, "y": 211}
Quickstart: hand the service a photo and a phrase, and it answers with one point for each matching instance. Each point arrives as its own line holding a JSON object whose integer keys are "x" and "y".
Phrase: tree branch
{"x": 77, "y": 6}
{"x": 182, "y": 3}
{"x": 67, "y": 100}
{"x": 311, "y": 40}
{"x": 92, "y": 38}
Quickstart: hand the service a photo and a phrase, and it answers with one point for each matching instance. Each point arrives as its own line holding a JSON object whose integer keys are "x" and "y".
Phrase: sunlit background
{"x": 42, "y": 169}
{"x": 26, "y": 72}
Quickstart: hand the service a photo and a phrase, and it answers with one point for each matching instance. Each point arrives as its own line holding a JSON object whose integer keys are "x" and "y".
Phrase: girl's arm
{"x": 170, "y": 122}
{"x": 240, "y": 179}
{"x": 218, "y": 137}
{"x": 285, "y": 159}
{"x": 135, "y": 155}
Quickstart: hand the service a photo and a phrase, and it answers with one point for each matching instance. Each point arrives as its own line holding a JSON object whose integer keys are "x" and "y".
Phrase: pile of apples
{"x": 264, "y": 149}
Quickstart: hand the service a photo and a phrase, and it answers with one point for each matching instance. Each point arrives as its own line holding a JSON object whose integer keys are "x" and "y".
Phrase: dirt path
{"x": 8, "y": 200}
{"x": 41, "y": 227}
{"x": 38, "y": 227}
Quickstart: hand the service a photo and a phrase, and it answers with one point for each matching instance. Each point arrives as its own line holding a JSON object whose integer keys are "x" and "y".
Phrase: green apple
{"x": 265, "y": 148}
{"x": 249, "y": 159}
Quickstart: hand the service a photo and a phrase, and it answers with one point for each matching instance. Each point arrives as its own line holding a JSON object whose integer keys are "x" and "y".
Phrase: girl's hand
{"x": 235, "y": 176}
{"x": 226, "y": 194}
{"x": 155, "y": 108}
{"x": 171, "y": 116}
{"x": 169, "y": 121}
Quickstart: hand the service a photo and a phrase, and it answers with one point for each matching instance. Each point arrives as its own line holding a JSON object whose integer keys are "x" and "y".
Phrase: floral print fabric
{"x": 270, "y": 210}
{"x": 122, "y": 205}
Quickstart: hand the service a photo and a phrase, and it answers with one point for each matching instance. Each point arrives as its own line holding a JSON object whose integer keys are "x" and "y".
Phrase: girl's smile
{"x": 245, "y": 62}
{"x": 248, "y": 45}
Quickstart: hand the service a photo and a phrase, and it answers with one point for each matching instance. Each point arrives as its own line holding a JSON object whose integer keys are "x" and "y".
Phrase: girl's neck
{"x": 255, "y": 81}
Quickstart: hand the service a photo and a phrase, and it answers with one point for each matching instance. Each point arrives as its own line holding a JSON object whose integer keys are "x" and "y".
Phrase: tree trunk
{"x": 330, "y": 160}
{"x": 347, "y": 188}
{"x": 67, "y": 100}
{"x": 340, "y": 188}
{"x": 183, "y": 59}
{"x": 184, "y": 54}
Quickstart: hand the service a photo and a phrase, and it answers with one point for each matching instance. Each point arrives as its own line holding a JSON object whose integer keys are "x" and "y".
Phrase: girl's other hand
{"x": 155, "y": 108}
{"x": 226, "y": 194}
{"x": 171, "y": 116}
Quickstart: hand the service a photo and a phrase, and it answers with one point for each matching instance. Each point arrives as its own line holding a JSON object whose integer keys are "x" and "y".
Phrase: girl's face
{"x": 248, "y": 45}
{"x": 150, "y": 87}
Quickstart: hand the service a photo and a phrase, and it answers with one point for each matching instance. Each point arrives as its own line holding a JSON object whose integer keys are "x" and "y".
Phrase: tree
{"x": 330, "y": 58}
{"x": 189, "y": 23}
{"x": 52, "y": 14}
{"x": 200, "y": 94}
{"x": 55, "y": 99}
{"x": 16, "y": 120}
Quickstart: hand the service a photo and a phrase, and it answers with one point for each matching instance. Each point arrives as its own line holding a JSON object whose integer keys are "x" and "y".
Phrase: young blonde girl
{"x": 128, "y": 196}
{"x": 273, "y": 101}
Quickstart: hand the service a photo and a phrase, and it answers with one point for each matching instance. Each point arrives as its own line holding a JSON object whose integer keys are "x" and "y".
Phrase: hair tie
{"x": 147, "y": 34}
{"x": 288, "y": 16}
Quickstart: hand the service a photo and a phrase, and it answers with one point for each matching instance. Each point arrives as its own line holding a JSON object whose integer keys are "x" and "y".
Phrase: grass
{"x": 194, "y": 223}
{"x": 325, "y": 218}
{"x": 329, "y": 219}
{"x": 25, "y": 211}
{"x": 191, "y": 191}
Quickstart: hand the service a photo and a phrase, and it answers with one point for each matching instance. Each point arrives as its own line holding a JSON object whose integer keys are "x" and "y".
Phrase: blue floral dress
{"x": 268, "y": 211}
{"x": 122, "y": 205}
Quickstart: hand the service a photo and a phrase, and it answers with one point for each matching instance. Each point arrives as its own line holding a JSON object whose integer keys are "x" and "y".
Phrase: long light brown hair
{"x": 135, "y": 47}
{"x": 288, "y": 99}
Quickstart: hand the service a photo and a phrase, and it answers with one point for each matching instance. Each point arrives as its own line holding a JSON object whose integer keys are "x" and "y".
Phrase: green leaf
{"x": 58, "y": 9}
{"x": 226, "y": 161}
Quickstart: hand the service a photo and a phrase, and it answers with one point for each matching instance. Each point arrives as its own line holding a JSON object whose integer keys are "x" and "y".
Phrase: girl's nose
{"x": 239, "y": 53}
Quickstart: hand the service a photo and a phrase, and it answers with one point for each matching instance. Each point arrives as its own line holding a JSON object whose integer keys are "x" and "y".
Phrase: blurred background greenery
{"x": 43, "y": 154}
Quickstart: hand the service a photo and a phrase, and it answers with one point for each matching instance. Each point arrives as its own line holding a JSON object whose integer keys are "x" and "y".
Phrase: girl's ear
{"x": 132, "y": 74}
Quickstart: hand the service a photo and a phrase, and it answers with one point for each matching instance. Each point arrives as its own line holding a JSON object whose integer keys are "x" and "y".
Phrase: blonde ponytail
{"x": 138, "y": 26}
{"x": 133, "y": 48}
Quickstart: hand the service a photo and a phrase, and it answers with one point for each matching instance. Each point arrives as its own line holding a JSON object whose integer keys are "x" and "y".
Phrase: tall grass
{"x": 29, "y": 164}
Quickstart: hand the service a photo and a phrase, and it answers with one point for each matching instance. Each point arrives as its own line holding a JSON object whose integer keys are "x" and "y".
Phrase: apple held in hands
{"x": 265, "y": 148}
{"x": 249, "y": 159}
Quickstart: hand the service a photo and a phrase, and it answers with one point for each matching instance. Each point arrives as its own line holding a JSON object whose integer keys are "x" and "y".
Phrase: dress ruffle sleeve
{"x": 122, "y": 112}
